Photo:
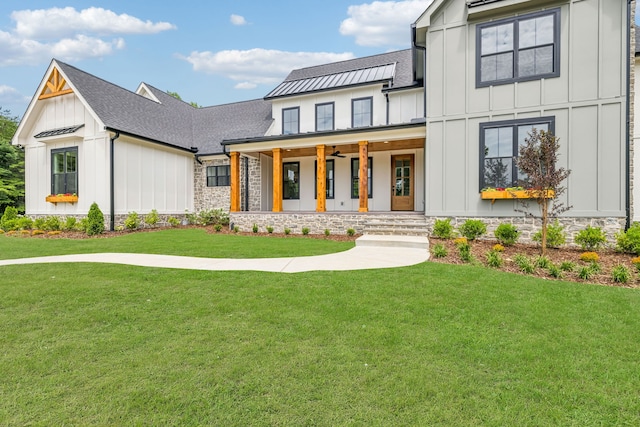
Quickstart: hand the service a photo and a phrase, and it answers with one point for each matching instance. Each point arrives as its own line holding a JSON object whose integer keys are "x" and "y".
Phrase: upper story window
{"x": 516, "y": 49}
{"x": 290, "y": 121}
{"x": 64, "y": 171}
{"x": 500, "y": 144}
{"x": 218, "y": 176}
{"x": 291, "y": 180}
{"x": 324, "y": 116}
{"x": 361, "y": 112}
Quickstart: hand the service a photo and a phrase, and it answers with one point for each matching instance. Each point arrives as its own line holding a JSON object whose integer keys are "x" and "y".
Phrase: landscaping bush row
{"x": 589, "y": 238}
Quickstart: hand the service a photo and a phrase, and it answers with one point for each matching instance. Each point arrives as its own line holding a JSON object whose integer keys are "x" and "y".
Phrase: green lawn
{"x": 431, "y": 344}
{"x": 187, "y": 241}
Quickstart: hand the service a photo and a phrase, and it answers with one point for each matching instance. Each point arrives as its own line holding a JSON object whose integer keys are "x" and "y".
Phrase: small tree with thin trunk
{"x": 537, "y": 161}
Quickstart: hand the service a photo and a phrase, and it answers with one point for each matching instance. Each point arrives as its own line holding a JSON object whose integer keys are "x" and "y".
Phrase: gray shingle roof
{"x": 171, "y": 121}
{"x": 375, "y": 67}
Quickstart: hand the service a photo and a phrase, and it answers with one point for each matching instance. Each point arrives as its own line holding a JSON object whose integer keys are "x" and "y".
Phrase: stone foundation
{"x": 317, "y": 223}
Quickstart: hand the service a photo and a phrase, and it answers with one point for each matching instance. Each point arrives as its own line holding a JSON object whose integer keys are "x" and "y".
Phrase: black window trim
{"x": 298, "y": 124}
{"x": 352, "y": 177}
{"x": 64, "y": 150}
{"x": 284, "y": 164}
{"x": 370, "y": 98}
{"x": 516, "y": 19}
{"x": 514, "y": 124}
{"x": 216, "y": 177}
{"x": 333, "y": 115}
{"x": 333, "y": 181}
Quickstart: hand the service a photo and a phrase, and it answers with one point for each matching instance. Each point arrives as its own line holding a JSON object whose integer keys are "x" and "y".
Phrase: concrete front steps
{"x": 412, "y": 224}
{"x": 393, "y": 241}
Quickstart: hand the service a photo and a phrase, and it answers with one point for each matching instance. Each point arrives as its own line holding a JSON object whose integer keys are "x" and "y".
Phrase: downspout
{"x": 628, "y": 123}
{"x": 414, "y": 42}
{"x": 386, "y": 95}
{"x": 112, "y": 209}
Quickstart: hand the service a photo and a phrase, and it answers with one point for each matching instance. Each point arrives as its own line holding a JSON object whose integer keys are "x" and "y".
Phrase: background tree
{"x": 177, "y": 96}
{"x": 538, "y": 159}
{"x": 11, "y": 165}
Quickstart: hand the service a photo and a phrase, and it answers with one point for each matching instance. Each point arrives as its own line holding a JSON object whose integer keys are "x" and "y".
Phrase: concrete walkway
{"x": 369, "y": 252}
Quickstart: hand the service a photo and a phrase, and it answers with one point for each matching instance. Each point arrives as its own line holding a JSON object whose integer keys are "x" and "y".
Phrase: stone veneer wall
{"x": 529, "y": 226}
{"x": 206, "y": 198}
{"x": 255, "y": 185}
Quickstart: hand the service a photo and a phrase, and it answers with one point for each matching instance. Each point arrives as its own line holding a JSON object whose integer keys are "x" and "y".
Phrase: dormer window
{"x": 291, "y": 121}
{"x": 516, "y": 49}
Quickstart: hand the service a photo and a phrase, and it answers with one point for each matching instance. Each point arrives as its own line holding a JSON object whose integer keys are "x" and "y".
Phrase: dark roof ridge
{"x": 331, "y": 74}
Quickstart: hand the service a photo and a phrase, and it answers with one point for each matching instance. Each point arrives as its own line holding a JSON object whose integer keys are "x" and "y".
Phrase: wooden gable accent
{"x": 55, "y": 86}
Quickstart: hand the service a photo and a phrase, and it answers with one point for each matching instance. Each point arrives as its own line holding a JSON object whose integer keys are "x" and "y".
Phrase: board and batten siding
{"x": 587, "y": 100}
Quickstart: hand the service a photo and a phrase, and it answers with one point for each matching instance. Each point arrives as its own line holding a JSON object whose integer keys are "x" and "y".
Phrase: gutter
{"x": 628, "y": 123}
{"x": 112, "y": 198}
{"x": 154, "y": 141}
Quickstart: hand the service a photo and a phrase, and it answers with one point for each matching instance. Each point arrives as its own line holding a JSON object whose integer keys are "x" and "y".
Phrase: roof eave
{"x": 192, "y": 150}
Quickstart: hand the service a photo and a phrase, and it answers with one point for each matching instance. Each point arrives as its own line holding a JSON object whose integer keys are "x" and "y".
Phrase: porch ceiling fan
{"x": 336, "y": 153}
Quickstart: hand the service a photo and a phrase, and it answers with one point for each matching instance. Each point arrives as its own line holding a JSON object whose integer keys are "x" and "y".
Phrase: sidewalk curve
{"x": 360, "y": 257}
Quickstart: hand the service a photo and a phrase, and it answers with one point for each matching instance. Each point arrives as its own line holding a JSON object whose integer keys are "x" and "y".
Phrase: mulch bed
{"x": 608, "y": 259}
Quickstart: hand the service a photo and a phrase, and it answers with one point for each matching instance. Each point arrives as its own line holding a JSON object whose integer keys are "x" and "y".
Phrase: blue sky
{"x": 209, "y": 51}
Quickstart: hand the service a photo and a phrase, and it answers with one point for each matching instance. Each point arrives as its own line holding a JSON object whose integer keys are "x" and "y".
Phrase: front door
{"x": 402, "y": 182}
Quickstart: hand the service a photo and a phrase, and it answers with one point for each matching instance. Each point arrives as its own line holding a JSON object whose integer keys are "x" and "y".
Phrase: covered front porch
{"x": 365, "y": 170}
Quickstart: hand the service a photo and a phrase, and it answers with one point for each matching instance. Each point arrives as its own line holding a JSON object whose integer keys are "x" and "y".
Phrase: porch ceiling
{"x": 403, "y": 144}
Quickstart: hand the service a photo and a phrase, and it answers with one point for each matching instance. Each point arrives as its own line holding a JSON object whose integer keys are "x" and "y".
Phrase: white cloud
{"x": 238, "y": 20}
{"x": 383, "y": 23}
{"x": 10, "y": 95}
{"x": 61, "y": 22}
{"x": 245, "y": 85}
{"x": 68, "y": 34}
{"x": 258, "y": 66}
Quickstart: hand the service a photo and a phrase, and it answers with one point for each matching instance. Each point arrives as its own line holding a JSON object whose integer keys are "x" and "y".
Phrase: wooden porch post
{"x": 235, "y": 181}
{"x": 277, "y": 180}
{"x": 321, "y": 180}
{"x": 363, "y": 188}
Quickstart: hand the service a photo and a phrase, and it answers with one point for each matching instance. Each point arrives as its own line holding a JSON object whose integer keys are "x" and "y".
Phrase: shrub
{"x": 10, "y": 225}
{"x": 443, "y": 228}
{"x": 524, "y": 264}
{"x": 465, "y": 252}
{"x": 255, "y": 228}
{"x": 1, "y": 231}
{"x": 54, "y": 232}
{"x": 460, "y": 241}
{"x": 498, "y": 247}
{"x": 439, "y": 251}
{"x": 173, "y": 221}
{"x": 236, "y": 228}
{"x": 327, "y": 232}
{"x": 70, "y": 223}
{"x": 556, "y": 236}
{"x": 152, "y": 218}
{"x": 629, "y": 241}
{"x": 212, "y": 216}
{"x": 287, "y": 231}
{"x": 52, "y": 223}
{"x": 585, "y": 273}
{"x": 620, "y": 274}
{"x": 567, "y": 266}
{"x": 192, "y": 218}
{"x": 37, "y": 232}
{"x": 589, "y": 257}
{"x": 24, "y": 223}
{"x": 10, "y": 213}
{"x": 636, "y": 262}
{"x": 473, "y": 228}
{"x": 507, "y": 234}
{"x": 95, "y": 220}
{"x": 351, "y": 232}
{"x": 132, "y": 221}
{"x": 591, "y": 238}
{"x": 269, "y": 229}
{"x": 494, "y": 259}
{"x": 39, "y": 223}
{"x": 25, "y": 232}
{"x": 305, "y": 230}
{"x": 595, "y": 267}
{"x": 217, "y": 227}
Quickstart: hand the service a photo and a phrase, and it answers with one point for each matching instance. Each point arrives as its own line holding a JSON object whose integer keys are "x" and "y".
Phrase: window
{"x": 290, "y": 121}
{"x": 361, "y": 112}
{"x": 499, "y": 145}
{"x": 291, "y": 180}
{"x": 324, "y": 117}
{"x": 329, "y": 179}
{"x": 518, "y": 49}
{"x": 64, "y": 171}
{"x": 355, "y": 177}
{"x": 218, "y": 176}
